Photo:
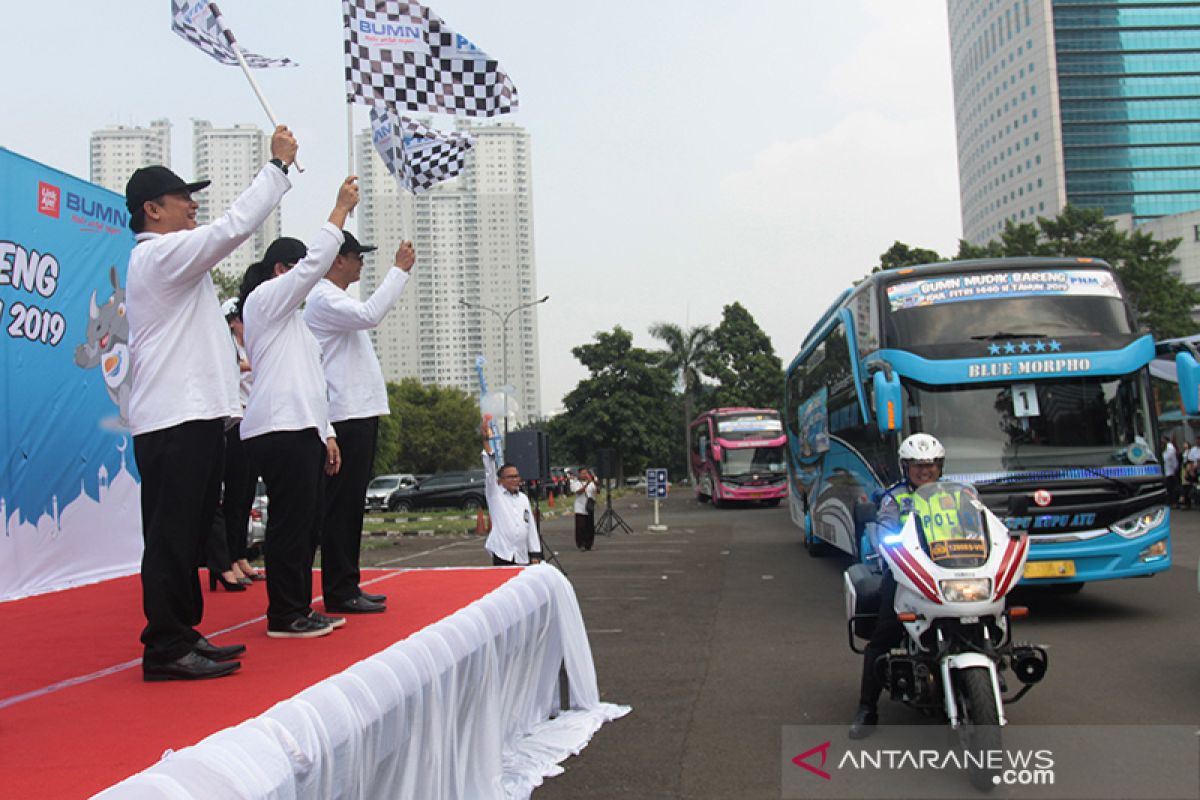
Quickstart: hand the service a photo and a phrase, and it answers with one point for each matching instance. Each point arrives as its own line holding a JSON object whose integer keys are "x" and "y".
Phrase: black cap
{"x": 284, "y": 250}
{"x": 351, "y": 245}
{"x": 154, "y": 181}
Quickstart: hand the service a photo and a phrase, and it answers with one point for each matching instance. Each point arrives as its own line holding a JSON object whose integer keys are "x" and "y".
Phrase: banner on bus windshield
{"x": 942, "y": 289}
{"x": 750, "y": 425}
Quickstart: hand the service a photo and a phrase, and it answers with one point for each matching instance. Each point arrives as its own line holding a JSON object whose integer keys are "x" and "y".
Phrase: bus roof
{"x": 721, "y": 412}
{"x": 985, "y": 264}
{"x": 943, "y": 268}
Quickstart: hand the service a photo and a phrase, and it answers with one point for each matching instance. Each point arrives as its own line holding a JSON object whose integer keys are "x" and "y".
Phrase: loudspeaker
{"x": 608, "y": 463}
{"x": 529, "y": 451}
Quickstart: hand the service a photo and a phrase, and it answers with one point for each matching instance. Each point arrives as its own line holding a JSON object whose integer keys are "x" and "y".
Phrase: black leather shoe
{"x": 374, "y": 598}
{"x": 212, "y": 652}
{"x": 863, "y": 725}
{"x": 190, "y": 667}
{"x": 299, "y": 628}
{"x": 358, "y": 605}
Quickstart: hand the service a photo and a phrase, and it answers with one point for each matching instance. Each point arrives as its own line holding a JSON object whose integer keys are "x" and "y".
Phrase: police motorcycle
{"x": 954, "y": 563}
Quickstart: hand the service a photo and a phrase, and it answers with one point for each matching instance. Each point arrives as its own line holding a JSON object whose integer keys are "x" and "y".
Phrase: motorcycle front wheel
{"x": 979, "y": 731}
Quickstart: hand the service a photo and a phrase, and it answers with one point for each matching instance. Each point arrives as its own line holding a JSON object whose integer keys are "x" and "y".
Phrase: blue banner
{"x": 69, "y": 489}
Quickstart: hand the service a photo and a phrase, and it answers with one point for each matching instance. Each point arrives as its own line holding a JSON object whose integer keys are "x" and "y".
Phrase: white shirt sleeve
{"x": 184, "y": 256}
{"x": 338, "y": 311}
{"x": 491, "y": 487}
{"x": 534, "y": 543}
{"x": 283, "y": 294}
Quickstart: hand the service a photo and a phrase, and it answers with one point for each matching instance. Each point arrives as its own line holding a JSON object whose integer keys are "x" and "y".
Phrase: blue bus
{"x": 1033, "y": 374}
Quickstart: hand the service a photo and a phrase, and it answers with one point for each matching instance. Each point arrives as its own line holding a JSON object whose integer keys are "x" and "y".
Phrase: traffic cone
{"x": 551, "y": 500}
{"x": 481, "y": 526}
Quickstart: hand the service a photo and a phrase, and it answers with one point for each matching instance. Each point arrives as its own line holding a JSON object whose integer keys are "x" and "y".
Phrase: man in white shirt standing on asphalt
{"x": 185, "y": 388}
{"x": 357, "y": 399}
{"x": 514, "y": 537}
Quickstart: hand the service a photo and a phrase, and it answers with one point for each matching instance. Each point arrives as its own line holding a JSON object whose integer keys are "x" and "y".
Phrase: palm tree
{"x": 684, "y": 356}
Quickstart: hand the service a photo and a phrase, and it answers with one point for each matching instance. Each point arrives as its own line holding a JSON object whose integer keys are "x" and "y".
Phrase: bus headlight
{"x": 1142, "y": 522}
{"x": 966, "y": 590}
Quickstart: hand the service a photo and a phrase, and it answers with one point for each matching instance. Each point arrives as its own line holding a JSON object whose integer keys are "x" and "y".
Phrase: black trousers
{"x": 585, "y": 531}
{"x": 181, "y": 483}
{"x": 238, "y": 493}
{"x": 888, "y": 633}
{"x": 292, "y": 464}
{"x": 345, "y": 494}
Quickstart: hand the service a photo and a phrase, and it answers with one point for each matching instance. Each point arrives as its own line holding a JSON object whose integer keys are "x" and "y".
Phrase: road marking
{"x": 606, "y": 630}
{"x": 422, "y": 553}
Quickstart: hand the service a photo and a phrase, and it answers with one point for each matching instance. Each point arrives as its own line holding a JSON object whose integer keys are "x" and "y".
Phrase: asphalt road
{"x": 722, "y": 630}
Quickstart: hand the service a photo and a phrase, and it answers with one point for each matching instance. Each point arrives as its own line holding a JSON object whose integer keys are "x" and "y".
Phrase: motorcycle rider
{"x": 921, "y": 460}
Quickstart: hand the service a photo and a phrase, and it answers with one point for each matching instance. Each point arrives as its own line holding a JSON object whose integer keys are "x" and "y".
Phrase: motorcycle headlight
{"x": 966, "y": 590}
{"x": 1140, "y": 523}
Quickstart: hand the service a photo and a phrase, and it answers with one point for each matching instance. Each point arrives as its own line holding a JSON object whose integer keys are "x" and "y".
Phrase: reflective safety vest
{"x": 939, "y": 516}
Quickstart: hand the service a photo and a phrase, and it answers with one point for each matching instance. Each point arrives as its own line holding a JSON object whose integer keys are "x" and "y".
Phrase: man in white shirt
{"x": 184, "y": 389}
{"x": 584, "y": 489}
{"x": 357, "y": 399}
{"x": 514, "y": 537}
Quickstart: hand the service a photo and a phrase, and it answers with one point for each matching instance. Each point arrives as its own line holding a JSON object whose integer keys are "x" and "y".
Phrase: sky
{"x": 687, "y": 154}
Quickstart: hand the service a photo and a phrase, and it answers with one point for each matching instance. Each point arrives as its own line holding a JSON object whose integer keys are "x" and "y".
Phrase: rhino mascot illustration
{"x": 107, "y": 346}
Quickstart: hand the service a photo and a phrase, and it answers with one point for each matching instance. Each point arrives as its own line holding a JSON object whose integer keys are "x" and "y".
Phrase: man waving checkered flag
{"x": 201, "y": 23}
{"x": 403, "y": 55}
{"x": 416, "y": 154}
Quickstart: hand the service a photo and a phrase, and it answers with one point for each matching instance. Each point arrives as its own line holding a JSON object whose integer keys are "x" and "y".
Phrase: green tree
{"x": 227, "y": 285}
{"x": 625, "y": 403}
{"x": 684, "y": 357}
{"x": 430, "y": 429}
{"x": 901, "y": 255}
{"x": 1162, "y": 302}
{"x": 743, "y": 361}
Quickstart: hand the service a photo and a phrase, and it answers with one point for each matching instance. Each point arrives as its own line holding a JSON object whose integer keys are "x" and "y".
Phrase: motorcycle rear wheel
{"x": 979, "y": 730}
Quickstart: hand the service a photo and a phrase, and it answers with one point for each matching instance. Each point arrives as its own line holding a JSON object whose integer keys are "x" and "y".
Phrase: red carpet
{"x": 79, "y": 740}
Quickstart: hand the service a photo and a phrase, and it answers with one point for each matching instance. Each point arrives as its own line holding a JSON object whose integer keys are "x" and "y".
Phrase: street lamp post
{"x": 504, "y": 339}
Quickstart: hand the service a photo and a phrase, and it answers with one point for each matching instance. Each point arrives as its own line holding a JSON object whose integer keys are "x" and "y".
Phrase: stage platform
{"x": 453, "y": 693}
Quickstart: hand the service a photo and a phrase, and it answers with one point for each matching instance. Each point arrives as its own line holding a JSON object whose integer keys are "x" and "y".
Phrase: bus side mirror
{"x": 889, "y": 401}
{"x": 1188, "y": 372}
{"x": 716, "y": 452}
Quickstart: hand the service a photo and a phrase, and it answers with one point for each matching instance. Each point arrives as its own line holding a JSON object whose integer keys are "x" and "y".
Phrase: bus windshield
{"x": 739, "y": 462}
{"x": 1085, "y": 422}
{"x": 749, "y": 426}
{"x": 999, "y": 305}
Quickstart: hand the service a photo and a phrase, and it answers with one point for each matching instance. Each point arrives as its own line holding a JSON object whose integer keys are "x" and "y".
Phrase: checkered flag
{"x": 416, "y": 154}
{"x": 201, "y": 23}
{"x": 403, "y": 55}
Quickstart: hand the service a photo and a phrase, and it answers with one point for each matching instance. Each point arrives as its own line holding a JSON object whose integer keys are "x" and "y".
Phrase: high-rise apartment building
{"x": 118, "y": 150}
{"x": 230, "y": 158}
{"x": 474, "y": 241}
{"x": 1094, "y": 103}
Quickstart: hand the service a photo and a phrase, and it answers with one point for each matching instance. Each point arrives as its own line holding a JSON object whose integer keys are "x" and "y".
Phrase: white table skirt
{"x": 465, "y": 708}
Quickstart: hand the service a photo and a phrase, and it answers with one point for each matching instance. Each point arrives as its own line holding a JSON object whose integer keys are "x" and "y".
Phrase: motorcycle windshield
{"x": 951, "y": 523}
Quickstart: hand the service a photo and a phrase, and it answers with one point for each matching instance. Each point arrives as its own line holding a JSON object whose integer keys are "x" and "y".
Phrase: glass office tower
{"x": 1086, "y": 102}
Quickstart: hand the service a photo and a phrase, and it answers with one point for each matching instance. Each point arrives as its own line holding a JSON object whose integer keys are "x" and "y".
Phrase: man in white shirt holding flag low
{"x": 357, "y": 399}
{"x": 514, "y": 538}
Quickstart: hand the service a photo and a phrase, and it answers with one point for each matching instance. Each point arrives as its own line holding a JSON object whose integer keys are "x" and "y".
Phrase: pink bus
{"x": 737, "y": 455}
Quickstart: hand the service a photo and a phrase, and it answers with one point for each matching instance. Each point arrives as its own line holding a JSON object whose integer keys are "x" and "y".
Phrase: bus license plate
{"x": 1049, "y": 569}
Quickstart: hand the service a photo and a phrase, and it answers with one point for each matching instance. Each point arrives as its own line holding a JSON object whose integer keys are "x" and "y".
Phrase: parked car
{"x": 444, "y": 490}
{"x": 256, "y": 528}
{"x": 381, "y": 487}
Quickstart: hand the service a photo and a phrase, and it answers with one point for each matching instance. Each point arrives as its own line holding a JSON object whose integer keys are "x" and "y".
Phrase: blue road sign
{"x": 656, "y": 483}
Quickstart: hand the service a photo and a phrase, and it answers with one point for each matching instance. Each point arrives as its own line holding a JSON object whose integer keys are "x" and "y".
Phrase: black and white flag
{"x": 416, "y": 154}
{"x": 201, "y": 23}
{"x": 403, "y": 55}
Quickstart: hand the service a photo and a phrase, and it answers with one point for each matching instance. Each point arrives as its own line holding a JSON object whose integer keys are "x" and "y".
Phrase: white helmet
{"x": 921, "y": 447}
